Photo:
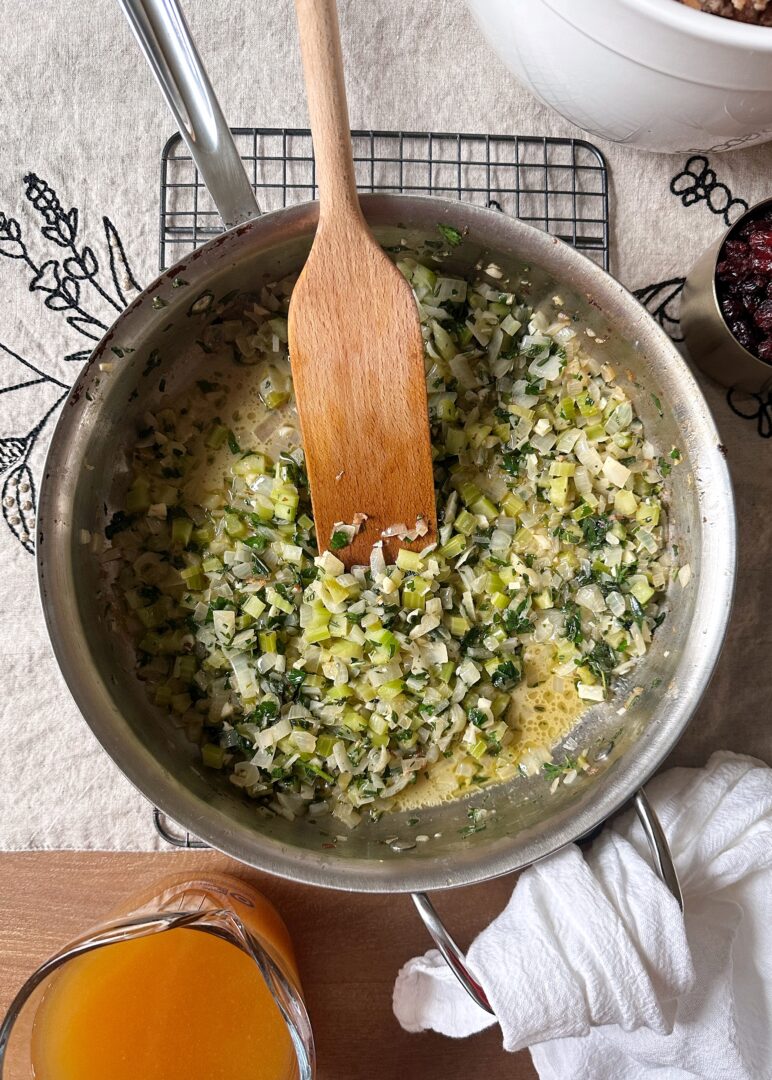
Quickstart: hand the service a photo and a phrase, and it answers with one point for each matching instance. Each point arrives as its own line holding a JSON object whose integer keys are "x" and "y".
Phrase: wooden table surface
{"x": 349, "y": 947}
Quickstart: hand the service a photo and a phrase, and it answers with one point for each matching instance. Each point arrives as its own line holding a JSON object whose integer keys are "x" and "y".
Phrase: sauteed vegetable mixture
{"x": 315, "y": 689}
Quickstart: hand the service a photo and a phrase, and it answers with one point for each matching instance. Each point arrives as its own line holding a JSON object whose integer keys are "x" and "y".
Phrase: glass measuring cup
{"x": 216, "y": 905}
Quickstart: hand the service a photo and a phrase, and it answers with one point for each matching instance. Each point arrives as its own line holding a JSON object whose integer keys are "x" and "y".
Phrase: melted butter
{"x": 238, "y": 406}
{"x": 543, "y": 709}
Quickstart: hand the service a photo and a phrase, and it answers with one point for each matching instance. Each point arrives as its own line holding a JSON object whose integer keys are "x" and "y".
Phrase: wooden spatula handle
{"x": 326, "y": 90}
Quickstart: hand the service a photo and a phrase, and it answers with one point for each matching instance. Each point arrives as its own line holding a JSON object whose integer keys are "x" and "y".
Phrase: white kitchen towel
{"x": 83, "y": 126}
{"x": 592, "y": 966}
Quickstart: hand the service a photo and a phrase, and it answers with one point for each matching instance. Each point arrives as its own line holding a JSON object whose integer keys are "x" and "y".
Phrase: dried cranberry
{"x": 734, "y": 249}
{"x": 763, "y": 315}
{"x": 761, "y": 238}
{"x": 762, "y": 260}
{"x": 744, "y": 284}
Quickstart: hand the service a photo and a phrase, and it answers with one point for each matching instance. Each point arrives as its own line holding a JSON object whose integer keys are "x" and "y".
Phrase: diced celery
{"x": 445, "y": 344}
{"x": 283, "y": 512}
{"x": 216, "y": 437}
{"x": 254, "y": 606}
{"x": 455, "y": 440}
{"x": 477, "y": 434}
{"x": 465, "y": 523}
{"x": 285, "y": 494}
{"x": 500, "y": 704}
{"x": 181, "y": 702}
{"x": 339, "y": 693}
{"x": 625, "y": 503}
{"x": 252, "y": 465}
{"x": 568, "y": 408}
{"x": 386, "y": 640}
{"x": 558, "y": 491}
{"x": 485, "y": 507}
{"x": 347, "y": 650}
{"x": 512, "y": 504}
{"x": 469, "y": 493}
{"x": 235, "y": 527}
{"x": 203, "y": 535}
{"x": 267, "y": 641}
{"x": 324, "y": 745}
{"x": 163, "y": 695}
{"x": 583, "y": 510}
{"x": 446, "y": 410}
{"x": 213, "y": 756}
{"x": 413, "y": 600}
{"x": 458, "y": 625}
{"x": 182, "y": 530}
{"x": 185, "y": 667}
{"x": 409, "y": 560}
{"x": 149, "y": 617}
{"x": 389, "y": 690}
{"x": 641, "y": 590}
{"x": 454, "y": 546}
{"x": 352, "y": 719}
{"x": 648, "y": 514}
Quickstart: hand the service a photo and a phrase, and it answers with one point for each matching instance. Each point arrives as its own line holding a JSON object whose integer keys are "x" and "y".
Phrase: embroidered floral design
{"x": 662, "y": 300}
{"x": 697, "y": 181}
{"x": 756, "y": 407}
{"x": 73, "y": 284}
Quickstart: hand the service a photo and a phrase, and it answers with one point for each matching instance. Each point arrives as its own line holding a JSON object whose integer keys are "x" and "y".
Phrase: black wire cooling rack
{"x": 559, "y": 185}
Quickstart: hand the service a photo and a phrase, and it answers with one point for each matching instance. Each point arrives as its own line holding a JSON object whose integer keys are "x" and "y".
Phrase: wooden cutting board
{"x": 349, "y": 948}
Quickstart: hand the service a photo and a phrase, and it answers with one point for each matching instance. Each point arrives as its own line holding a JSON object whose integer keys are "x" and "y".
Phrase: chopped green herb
{"x": 450, "y": 234}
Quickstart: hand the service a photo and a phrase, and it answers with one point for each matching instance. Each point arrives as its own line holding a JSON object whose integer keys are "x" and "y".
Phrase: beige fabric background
{"x": 79, "y": 109}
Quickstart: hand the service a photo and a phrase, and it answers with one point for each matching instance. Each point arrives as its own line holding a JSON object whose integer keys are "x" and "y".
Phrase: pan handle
{"x": 663, "y": 861}
{"x": 164, "y": 37}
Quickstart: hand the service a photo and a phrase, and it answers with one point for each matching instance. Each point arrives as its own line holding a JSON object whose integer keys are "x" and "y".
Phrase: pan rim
{"x": 484, "y": 861}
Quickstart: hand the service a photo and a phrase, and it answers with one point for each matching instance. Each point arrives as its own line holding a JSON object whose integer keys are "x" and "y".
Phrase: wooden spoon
{"x": 355, "y": 340}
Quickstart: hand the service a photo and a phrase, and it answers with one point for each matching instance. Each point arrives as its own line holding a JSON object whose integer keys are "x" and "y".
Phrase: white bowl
{"x": 650, "y": 73}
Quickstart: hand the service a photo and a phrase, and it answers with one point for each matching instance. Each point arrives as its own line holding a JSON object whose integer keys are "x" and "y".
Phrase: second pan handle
{"x": 164, "y": 37}
{"x": 454, "y": 957}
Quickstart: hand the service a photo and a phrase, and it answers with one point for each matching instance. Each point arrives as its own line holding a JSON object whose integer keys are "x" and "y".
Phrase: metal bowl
{"x": 711, "y": 344}
{"x": 86, "y": 474}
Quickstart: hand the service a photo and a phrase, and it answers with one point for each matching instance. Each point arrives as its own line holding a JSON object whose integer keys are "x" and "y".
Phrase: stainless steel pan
{"x": 86, "y": 473}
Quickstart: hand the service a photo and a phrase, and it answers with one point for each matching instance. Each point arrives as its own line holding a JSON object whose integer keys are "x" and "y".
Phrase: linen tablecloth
{"x": 83, "y": 125}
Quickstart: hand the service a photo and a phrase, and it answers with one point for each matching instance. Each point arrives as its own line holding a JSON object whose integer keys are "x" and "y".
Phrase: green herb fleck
{"x": 554, "y": 769}
{"x": 506, "y": 676}
{"x": 595, "y": 529}
{"x": 450, "y": 234}
{"x": 515, "y": 622}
